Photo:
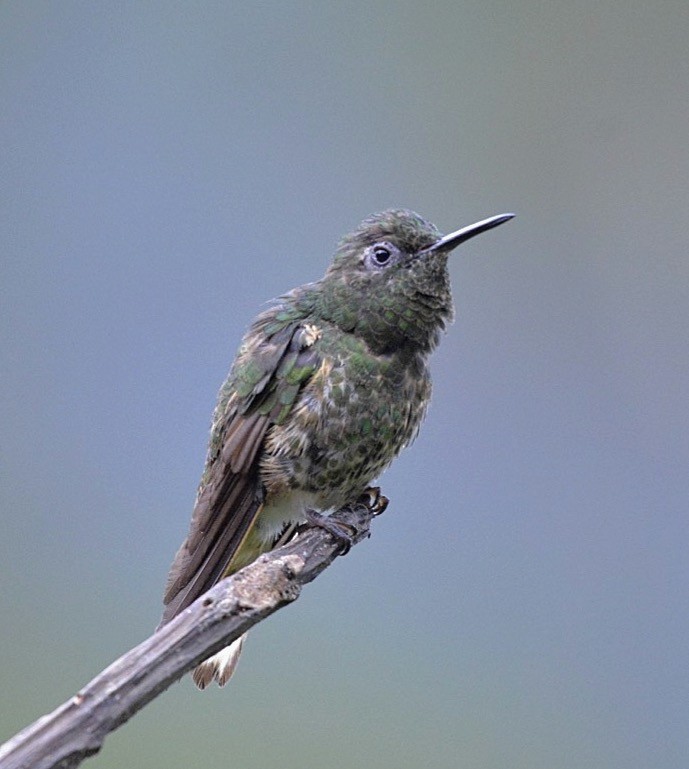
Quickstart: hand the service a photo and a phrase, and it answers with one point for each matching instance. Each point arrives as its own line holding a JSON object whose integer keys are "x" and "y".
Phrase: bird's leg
{"x": 344, "y": 534}
{"x": 341, "y": 532}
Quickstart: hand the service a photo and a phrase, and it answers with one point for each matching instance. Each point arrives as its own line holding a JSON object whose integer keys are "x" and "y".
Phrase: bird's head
{"x": 388, "y": 282}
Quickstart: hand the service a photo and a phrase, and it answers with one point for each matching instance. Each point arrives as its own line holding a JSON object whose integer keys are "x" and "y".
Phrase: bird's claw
{"x": 344, "y": 534}
{"x": 374, "y": 500}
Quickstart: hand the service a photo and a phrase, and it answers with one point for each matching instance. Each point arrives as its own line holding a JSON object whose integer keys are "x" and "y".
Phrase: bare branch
{"x": 77, "y": 729}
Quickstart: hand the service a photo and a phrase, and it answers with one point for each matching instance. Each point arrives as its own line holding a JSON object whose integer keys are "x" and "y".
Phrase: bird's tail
{"x": 220, "y": 666}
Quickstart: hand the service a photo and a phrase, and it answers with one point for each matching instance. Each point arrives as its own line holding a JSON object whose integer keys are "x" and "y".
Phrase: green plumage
{"x": 329, "y": 384}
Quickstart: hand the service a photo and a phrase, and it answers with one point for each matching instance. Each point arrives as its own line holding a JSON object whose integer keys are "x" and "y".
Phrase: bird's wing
{"x": 271, "y": 368}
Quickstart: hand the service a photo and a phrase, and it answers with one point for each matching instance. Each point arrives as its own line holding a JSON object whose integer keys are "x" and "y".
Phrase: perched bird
{"x": 329, "y": 385}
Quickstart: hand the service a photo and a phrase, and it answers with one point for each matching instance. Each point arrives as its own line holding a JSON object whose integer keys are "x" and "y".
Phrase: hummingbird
{"x": 329, "y": 384}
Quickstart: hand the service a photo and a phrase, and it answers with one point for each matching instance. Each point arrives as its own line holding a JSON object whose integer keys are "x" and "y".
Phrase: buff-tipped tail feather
{"x": 220, "y": 666}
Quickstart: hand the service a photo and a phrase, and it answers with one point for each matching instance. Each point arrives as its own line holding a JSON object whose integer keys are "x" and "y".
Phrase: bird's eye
{"x": 381, "y": 255}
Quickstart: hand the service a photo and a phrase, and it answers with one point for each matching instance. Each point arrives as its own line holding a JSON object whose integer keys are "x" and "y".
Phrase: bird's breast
{"x": 353, "y": 417}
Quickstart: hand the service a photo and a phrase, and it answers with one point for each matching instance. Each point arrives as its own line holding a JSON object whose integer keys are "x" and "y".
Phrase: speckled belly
{"x": 352, "y": 419}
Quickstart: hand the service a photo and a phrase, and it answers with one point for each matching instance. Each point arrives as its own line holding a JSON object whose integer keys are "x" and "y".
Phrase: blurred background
{"x": 165, "y": 169}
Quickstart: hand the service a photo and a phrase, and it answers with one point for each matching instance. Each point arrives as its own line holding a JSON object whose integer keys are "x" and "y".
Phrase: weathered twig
{"x": 78, "y": 728}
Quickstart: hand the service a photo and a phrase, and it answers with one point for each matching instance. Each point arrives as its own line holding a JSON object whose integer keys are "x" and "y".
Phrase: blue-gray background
{"x": 165, "y": 169}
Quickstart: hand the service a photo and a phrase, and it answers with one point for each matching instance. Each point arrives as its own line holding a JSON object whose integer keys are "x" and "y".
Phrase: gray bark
{"x": 77, "y": 729}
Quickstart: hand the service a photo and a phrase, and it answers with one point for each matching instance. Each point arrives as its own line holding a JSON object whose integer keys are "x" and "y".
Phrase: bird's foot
{"x": 341, "y": 532}
{"x": 374, "y": 500}
{"x": 344, "y": 534}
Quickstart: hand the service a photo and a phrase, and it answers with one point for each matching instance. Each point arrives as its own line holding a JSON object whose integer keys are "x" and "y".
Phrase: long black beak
{"x": 448, "y": 242}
